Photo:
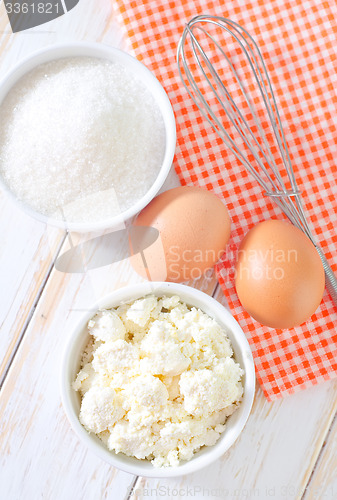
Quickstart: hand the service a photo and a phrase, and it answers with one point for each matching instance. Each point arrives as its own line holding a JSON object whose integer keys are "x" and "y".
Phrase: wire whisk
{"x": 243, "y": 111}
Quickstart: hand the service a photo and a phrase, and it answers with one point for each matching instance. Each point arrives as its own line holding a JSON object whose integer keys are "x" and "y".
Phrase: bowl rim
{"x": 53, "y": 52}
{"x": 129, "y": 293}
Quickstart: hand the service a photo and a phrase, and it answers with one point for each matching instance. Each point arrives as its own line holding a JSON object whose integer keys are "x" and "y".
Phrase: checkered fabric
{"x": 298, "y": 40}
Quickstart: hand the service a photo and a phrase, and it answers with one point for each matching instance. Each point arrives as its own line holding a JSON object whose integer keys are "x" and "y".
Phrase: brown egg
{"x": 279, "y": 275}
{"x": 194, "y": 228}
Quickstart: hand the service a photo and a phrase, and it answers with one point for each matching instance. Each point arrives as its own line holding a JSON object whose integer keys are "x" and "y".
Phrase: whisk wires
{"x": 200, "y": 57}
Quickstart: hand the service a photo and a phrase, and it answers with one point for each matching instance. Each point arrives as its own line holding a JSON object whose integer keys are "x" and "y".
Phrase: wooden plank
{"x": 26, "y": 258}
{"x": 28, "y": 247}
{"x": 323, "y": 481}
{"x": 273, "y": 457}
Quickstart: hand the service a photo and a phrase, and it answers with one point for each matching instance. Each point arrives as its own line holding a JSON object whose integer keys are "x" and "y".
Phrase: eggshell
{"x": 194, "y": 228}
{"x": 279, "y": 275}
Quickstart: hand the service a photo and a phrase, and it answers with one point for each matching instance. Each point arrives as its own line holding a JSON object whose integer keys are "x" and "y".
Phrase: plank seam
{"x": 216, "y": 288}
{"x": 326, "y": 438}
{"x": 132, "y": 487}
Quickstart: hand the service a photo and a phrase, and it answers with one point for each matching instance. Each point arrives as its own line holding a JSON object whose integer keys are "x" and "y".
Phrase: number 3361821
{"x": 32, "y": 8}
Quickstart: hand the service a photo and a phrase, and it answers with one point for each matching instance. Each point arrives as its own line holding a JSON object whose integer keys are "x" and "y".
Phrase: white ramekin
{"x": 106, "y": 52}
{"x": 78, "y": 339}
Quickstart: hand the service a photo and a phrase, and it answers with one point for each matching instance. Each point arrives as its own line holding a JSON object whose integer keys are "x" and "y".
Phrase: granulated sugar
{"x": 80, "y": 137}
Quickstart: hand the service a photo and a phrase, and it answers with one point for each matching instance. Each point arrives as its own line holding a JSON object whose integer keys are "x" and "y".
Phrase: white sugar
{"x": 75, "y": 130}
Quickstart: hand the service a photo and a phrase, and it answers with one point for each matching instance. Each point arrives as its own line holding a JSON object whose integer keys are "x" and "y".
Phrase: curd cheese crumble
{"x": 158, "y": 379}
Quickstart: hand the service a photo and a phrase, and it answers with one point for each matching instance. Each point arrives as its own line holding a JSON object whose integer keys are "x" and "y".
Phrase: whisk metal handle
{"x": 330, "y": 278}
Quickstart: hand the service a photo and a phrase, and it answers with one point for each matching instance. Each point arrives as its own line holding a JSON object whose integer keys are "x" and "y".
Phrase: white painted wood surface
{"x": 286, "y": 450}
{"x": 324, "y": 478}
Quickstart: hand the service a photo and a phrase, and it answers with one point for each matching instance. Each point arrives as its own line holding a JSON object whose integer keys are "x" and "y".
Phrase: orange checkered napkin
{"x": 299, "y": 42}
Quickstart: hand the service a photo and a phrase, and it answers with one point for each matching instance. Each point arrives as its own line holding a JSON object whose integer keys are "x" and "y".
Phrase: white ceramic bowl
{"x": 235, "y": 423}
{"x": 106, "y": 52}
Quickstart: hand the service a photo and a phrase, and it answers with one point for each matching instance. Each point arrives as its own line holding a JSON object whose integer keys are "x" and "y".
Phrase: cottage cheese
{"x": 158, "y": 380}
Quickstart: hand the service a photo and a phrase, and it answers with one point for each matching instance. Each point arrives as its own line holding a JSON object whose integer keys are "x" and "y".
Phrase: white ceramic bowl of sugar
{"x": 78, "y": 339}
{"x": 132, "y": 65}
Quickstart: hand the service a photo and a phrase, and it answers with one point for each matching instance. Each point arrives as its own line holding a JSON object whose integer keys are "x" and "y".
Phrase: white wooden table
{"x": 287, "y": 449}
